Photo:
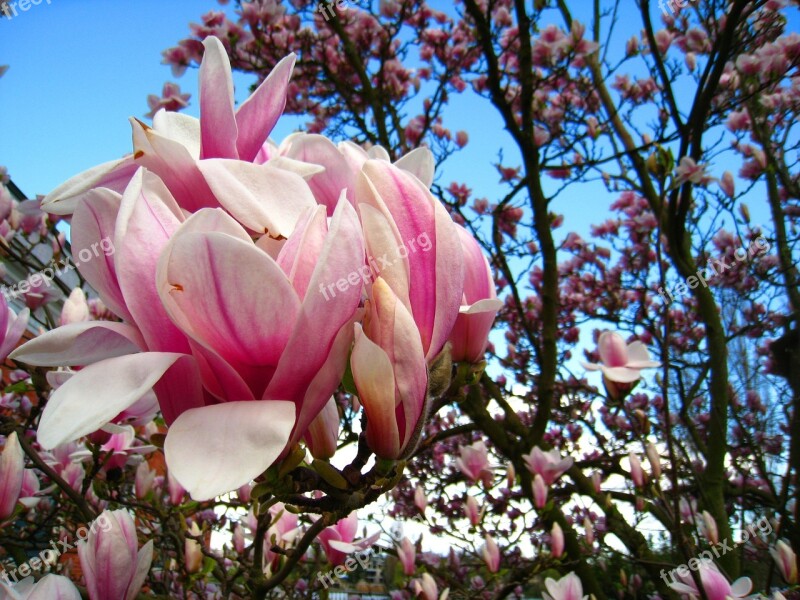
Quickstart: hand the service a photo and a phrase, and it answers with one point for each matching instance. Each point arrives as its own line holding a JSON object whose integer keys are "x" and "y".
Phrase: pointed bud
{"x": 12, "y": 466}
{"x": 539, "y": 492}
{"x": 556, "y": 541}
{"x": 655, "y": 460}
{"x": 710, "y": 527}
{"x": 786, "y": 560}
{"x": 491, "y": 554}
{"x": 637, "y": 473}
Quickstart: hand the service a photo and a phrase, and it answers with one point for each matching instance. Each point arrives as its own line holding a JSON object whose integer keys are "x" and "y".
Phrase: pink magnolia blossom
{"x": 12, "y": 326}
{"x": 76, "y": 308}
{"x": 193, "y": 156}
{"x": 420, "y": 499}
{"x": 689, "y": 171}
{"x": 491, "y": 554}
{"x": 49, "y": 587}
{"x": 407, "y": 553}
{"x": 621, "y": 365}
{"x": 12, "y": 466}
{"x": 426, "y": 588}
{"x": 402, "y": 220}
{"x": 192, "y": 550}
{"x": 112, "y": 563}
{"x": 654, "y": 458}
{"x": 479, "y": 304}
{"x": 786, "y": 560}
{"x": 568, "y": 587}
{"x": 540, "y": 489}
{"x": 339, "y": 541}
{"x": 710, "y": 528}
{"x": 556, "y": 541}
{"x": 171, "y": 99}
{"x": 549, "y": 465}
{"x": 473, "y": 462}
{"x": 261, "y": 338}
{"x": 471, "y": 510}
{"x": 637, "y": 473}
{"x": 714, "y": 583}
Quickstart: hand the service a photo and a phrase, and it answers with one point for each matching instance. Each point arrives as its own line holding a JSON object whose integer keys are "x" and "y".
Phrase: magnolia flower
{"x": 49, "y": 587}
{"x": 473, "y": 462}
{"x": 76, "y": 308}
{"x": 407, "y": 553}
{"x": 259, "y": 338}
{"x": 420, "y": 499}
{"x": 491, "y": 554}
{"x": 710, "y": 528}
{"x": 12, "y": 467}
{"x": 786, "y": 560}
{"x": 472, "y": 511}
{"x": 338, "y": 166}
{"x": 548, "y": 464}
{"x": 556, "y": 541}
{"x": 402, "y": 220}
{"x": 637, "y": 473}
{"x": 171, "y": 99}
{"x": 339, "y": 541}
{"x": 539, "y": 488}
{"x": 112, "y": 563}
{"x": 621, "y": 365}
{"x": 715, "y": 585}
{"x": 479, "y": 304}
{"x": 12, "y": 326}
{"x": 426, "y": 588}
{"x": 689, "y": 170}
{"x": 568, "y": 587}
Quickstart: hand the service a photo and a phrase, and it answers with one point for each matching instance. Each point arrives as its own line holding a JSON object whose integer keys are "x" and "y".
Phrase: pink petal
{"x": 612, "y": 350}
{"x": 228, "y": 295}
{"x": 216, "y": 449}
{"x": 174, "y": 164}
{"x": 148, "y": 217}
{"x": 113, "y": 175}
{"x": 261, "y": 197}
{"x": 420, "y": 163}
{"x": 374, "y": 378}
{"x": 217, "y": 119}
{"x": 257, "y": 116}
{"x": 94, "y": 221}
{"x": 437, "y": 275}
{"x": 96, "y": 394}
{"x": 338, "y": 176}
{"x": 300, "y": 254}
{"x": 79, "y": 344}
{"x": 313, "y": 337}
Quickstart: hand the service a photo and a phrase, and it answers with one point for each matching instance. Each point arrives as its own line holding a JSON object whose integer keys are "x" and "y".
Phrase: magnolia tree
{"x": 264, "y": 336}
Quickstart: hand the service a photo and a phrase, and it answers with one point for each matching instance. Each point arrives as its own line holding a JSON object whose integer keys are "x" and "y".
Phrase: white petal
{"x": 98, "y": 393}
{"x": 215, "y": 449}
{"x": 80, "y": 343}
